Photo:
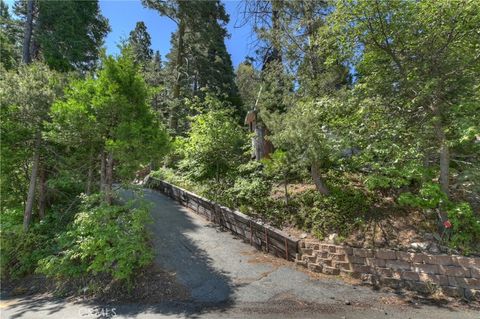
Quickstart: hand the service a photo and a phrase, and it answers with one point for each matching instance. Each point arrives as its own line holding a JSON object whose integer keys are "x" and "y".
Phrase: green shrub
{"x": 339, "y": 212}
{"x": 465, "y": 234}
{"x": 103, "y": 239}
{"x": 20, "y": 251}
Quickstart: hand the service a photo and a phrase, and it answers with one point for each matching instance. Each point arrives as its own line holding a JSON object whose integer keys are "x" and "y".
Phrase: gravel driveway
{"x": 230, "y": 279}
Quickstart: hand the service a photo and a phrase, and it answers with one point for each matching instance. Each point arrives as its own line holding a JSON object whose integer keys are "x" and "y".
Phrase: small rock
{"x": 303, "y": 236}
{"x": 347, "y": 302}
{"x": 434, "y": 248}
{"x": 419, "y": 245}
{"x": 332, "y": 297}
{"x": 332, "y": 238}
{"x": 429, "y": 237}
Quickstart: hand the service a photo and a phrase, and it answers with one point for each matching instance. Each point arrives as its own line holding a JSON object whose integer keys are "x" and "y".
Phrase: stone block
{"x": 309, "y": 258}
{"x": 426, "y": 268}
{"x": 361, "y": 252}
{"x": 405, "y": 256}
{"x": 398, "y": 264}
{"x": 469, "y": 262}
{"x": 385, "y": 254}
{"x": 361, "y": 268}
{"x": 384, "y": 272}
{"x": 345, "y": 250}
{"x": 301, "y": 263}
{"x": 325, "y": 262}
{"x": 390, "y": 282}
{"x": 336, "y": 257}
{"x": 410, "y": 275}
{"x": 323, "y": 254}
{"x": 330, "y": 271}
{"x": 472, "y": 283}
{"x": 313, "y": 245}
{"x": 421, "y": 287}
{"x": 475, "y": 272}
{"x": 454, "y": 271}
{"x": 341, "y": 265}
{"x": 325, "y": 247}
{"x": 356, "y": 259}
{"x": 436, "y": 279}
{"x": 450, "y": 291}
{"x": 306, "y": 251}
{"x": 438, "y": 260}
{"x": 349, "y": 273}
{"x": 332, "y": 248}
{"x": 315, "y": 267}
{"x": 376, "y": 262}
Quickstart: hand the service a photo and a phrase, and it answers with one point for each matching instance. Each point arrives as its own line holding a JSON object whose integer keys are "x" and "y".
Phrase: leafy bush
{"x": 429, "y": 196}
{"x": 465, "y": 228}
{"x": 339, "y": 212}
{"x": 103, "y": 239}
{"x": 465, "y": 232}
{"x": 214, "y": 146}
{"x": 20, "y": 251}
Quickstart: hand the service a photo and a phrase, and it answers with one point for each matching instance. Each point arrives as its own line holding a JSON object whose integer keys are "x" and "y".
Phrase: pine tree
{"x": 10, "y": 35}
{"x": 198, "y": 60}
{"x": 67, "y": 35}
{"x": 140, "y": 42}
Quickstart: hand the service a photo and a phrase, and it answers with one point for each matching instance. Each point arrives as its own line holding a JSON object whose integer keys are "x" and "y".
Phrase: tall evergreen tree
{"x": 140, "y": 42}
{"x": 198, "y": 59}
{"x": 67, "y": 35}
{"x": 10, "y": 35}
{"x": 247, "y": 79}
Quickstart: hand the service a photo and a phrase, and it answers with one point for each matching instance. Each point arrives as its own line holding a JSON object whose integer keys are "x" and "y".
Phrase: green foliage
{"x": 140, "y": 42}
{"x": 102, "y": 239}
{"x": 465, "y": 232}
{"x": 26, "y": 96}
{"x": 465, "y": 228}
{"x": 110, "y": 113}
{"x": 70, "y": 33}
{"x": 247, "y": 80}
{"x": 342, "y": 211}
{"x": 21, "y": 251}
{"x": 214, "y": 146}
{"x": 430, "y": 196}
{"x": 9, "y": 38}
{"x": 250, "y": 191}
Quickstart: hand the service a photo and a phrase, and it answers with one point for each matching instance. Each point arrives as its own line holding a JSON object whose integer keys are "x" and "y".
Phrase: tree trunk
{"x": 27, "y": 216}
{"x": 317, "y": 179}
{"x": 173, "y": 120}
{"x": 91, "y": 164}
{"x": 103, "y": 165}
{"x": 444, "y": 163}
{"x": 42, "y": 192}
{"x": 26, "y": 56}
{"x": 444, "y": 160}
{"x": 276, "y": 46}
{"x": 109, "y": 179}
{"x": 285, "y": 185}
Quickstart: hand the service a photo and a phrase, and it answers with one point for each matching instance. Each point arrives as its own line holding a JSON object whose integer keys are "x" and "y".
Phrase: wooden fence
{"x": 258, "y": 234}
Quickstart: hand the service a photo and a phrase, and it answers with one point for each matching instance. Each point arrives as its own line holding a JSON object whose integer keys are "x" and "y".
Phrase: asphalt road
{"x": 230, "y": 279}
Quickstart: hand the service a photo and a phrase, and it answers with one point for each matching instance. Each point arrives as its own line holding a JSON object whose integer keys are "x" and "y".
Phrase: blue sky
{"x": 124, "y": 14}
